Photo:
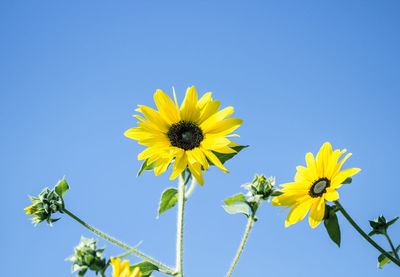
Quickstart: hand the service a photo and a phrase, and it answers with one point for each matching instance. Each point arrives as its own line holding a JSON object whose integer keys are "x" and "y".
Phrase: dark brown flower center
{"x": 185, "y": 135}
{"x": 318, "y": 188}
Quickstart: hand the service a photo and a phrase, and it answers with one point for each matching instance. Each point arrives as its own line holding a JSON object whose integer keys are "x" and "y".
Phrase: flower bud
{"x": 87, "y": 256}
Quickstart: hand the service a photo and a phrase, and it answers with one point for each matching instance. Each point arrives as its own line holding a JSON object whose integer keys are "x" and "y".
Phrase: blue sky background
{"x": 298, "y": 72}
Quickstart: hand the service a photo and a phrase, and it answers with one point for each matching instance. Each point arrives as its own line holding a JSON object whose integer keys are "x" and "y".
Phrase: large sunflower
{"x": 314, "y": 185}
{"x": 188, "y": 135}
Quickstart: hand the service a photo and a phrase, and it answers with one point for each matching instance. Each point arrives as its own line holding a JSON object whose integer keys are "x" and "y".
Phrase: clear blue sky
{"x": 298, "y": 72}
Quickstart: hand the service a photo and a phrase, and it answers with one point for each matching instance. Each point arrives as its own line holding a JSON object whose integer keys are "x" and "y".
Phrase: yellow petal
{"x": 332, "y": 195}
{"x": 179, "y": 164}
{"x": 226, "y": 126}
{"x": 343, "y": 175}
{"x": 298, "y": 212}
{"x": 154, "y": 117}
{"x": 317, "y": 212}
{"x": 214, "y": 142}
{"x": 196, "y": 155}
{"x": 166, "y": 107}
{"x": 214, "y": 159}
{"x": 210, "y": 122}
{"x": 195, "y": 169}
{"x": 161, "y": 165}
{"x": 189, "y": 109}
{"x": 225, "y": 150}
{"x": 204, "y": 100}
{"x": 208, "y": 110}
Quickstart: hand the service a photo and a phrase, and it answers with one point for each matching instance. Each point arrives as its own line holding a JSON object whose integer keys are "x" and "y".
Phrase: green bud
{"x": 47, "y": 203}
{"x": 380, "y": 225}
{"x": 261, "y": 187}
{"x": 87, "y": 256}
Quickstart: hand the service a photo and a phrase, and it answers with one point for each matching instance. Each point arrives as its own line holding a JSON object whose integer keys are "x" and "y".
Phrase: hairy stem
{"x": 179, "y": 233}
{"x": 120, "y": 244}
{"x": 250, "y": 223}
{"x": 365, "y": 236}
{"x": 190, "y": 189}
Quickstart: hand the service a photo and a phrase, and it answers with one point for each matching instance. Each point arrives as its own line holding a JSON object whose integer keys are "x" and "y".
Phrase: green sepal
{"x": 224, "y": 157}
{"x": 237, "y": 209}
{"x": 235, "y": 199}
{"x": 331, "y": 224}
{"x": 276, "y": 193}
{"x": 392, "y": 221}
{"x": 146, "y": 268}
{"x": 145, "y": 166}
{"x": 348, "y": 180}
{"x": 62, "y": 187}
{"x": 168, "y": 199}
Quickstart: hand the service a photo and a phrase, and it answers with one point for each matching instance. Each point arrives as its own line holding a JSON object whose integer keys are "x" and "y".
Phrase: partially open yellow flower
{"x": 187, "y": 134}
{"x": 123, "y": 270}
{"x": 314, "y": 185}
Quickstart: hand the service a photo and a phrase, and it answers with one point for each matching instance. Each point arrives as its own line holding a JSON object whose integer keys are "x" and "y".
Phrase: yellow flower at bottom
{"x": 124, "y": 270}
{"x": 188, "y": 135}
{"x": 314, "y": 185}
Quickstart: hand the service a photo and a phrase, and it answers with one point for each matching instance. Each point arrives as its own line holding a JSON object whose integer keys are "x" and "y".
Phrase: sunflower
{"x": 314, "y": 185}
{"x": 124, "y": 270}
{"x": 188, "y": 135}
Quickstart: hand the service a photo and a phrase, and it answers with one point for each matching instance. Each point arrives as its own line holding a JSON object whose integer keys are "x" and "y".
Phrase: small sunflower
{"x": 124, "y": 270}
{"x": 187, "y": 135}
{"x": 314, "y": 185}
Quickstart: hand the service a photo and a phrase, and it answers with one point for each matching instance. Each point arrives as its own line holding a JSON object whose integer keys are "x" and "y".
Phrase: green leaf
{"x": 168, "y": 199}
{"x": 61, "y": 187}
{"x": 332, "y": 226}
{"x": 145, "y": 166}
{"x": 235, "y": 199}
{"x": 146, "y": 268}
{"x": 392, "y": 221}
{"x": 224, "y": 157}
{"x": 348, "y": 180}
{"x": 382, "y": 260}
{"x": 397, "y": 248}
{"x": 237, "y": 209}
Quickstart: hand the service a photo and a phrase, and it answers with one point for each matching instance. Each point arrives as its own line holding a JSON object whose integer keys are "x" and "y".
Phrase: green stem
{"x": 120, "y": 244}
{"x": 391, "y": 245}
{"x": 362, "y": 233}
{"x": 250, "y": 223}
{"x": 179, "y": 233}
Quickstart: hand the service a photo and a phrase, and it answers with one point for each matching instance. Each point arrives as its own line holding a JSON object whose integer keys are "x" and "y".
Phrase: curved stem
{"x": 391, "y": 245}
{"x": 250, "y": 223}
{"x": 365, "y": 236}
{"x": 179, "y": 233}
{"x": 120, "y": 244}
{"x": 190, "y": 189}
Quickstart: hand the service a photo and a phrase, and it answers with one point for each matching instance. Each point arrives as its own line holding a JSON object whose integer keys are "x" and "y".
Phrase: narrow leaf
{"x": 168, "y": 199}
{"x": 392, "y": 221}
{"x": 146, "y": 268}
{"x": 145, "y": 166}
{"x": 237, "y": 209}
{"x": 348, "y": 180}
{"x": 61, "y": 187}
{"x": 235, "y": 199}
{"x": 224, "y": 157}
{"x": 332, "y": 226}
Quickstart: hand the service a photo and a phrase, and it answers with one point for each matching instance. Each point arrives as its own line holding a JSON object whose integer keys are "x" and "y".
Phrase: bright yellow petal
{"x": 343, "y": 175}
{"x": 332, "y": 195}
{"x": 214, "y": 159}
{"x": 166, "y": 107}
{"x": 189, "y": 109}
{"x": 154, "y": 117}
{"x": 317, "y": 212}
{"x": 226, "y": 126}
{"x": 179, "y": 164}
{"x": 298, "y": 212}
{"x": 204, "y": 100}
{"x": 208, "y": 110}
{"x": 225, "y": 150}
{"x": 212, "y": 120}
{"x": 161, "y": 165}
{"x": 195, "y": 169}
